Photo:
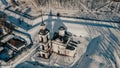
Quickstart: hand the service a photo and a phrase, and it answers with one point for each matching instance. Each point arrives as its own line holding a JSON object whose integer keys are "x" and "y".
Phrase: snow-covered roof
{"x": 63, "y": 39}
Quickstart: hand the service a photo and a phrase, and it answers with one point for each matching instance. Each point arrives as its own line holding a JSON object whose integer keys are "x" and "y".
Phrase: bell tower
{"x": 44, "y": 41}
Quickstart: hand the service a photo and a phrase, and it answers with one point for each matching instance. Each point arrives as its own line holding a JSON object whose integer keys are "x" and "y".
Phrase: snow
{"x": 7, "y": 38}
{"x": 103, "y": 40}
{"x": 117, "y": 59}
{"x": 100, "y": 39}
{"x": 99, "y": 34}
{"x": 99, "y": 51}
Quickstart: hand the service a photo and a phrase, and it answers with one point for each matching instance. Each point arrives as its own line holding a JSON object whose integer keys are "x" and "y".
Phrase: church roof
{"x": 43, "y": 31}
{"x": 63, "y": 39}
{"x": 61, "y": 28}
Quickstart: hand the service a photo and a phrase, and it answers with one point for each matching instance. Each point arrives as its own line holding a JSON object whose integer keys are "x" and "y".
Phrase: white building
{"x": 45, "y": 42}
{"x": 22, "y": 9}
{"x": 62, "y": 43}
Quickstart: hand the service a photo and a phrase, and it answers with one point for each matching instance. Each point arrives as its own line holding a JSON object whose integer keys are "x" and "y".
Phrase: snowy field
{"x": 102, "y": 45}
{"x": 102, "y": 50}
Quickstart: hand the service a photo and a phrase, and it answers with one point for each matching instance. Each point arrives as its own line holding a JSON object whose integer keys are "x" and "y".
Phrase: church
{"x": 61, "y": 43}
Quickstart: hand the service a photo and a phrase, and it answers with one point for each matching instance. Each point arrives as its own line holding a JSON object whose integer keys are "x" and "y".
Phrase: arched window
{"x": 41, "y": 39}
{"x": 43, "y": 48}
{"x": 48, "y": 45}
{"x": 43, "y": 55}
{"x": 47, "y": 38}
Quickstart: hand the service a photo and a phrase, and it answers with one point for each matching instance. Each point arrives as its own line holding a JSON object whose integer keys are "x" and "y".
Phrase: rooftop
{"x": 43, "y": 32}
{"x": 17, "y": 43}
{"x": 4, "y": 53}
{"x": 24, "y": 12}
{"x": 70, "y": 47}
{"x": 63, "y": 39}
{"x": 61, "y": 28}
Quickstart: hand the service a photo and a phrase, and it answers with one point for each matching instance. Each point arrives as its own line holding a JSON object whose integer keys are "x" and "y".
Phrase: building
{"x": 16, "y": 43}
{"x": 3, "y": 30}
{"x": 45, "y": 42}
{"x": 63, "y": 44}
{"x": 12, "y": 42}
{"x": 22, "y": 9}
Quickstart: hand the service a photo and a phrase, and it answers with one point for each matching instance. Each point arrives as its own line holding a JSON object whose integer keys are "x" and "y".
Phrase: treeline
{"x": 70, "y": 3}
{"x": 59, "y": 3}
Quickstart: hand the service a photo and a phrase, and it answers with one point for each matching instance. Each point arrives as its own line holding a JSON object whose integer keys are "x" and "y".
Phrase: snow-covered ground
{"x": 64, "y": 61}
{"x": 103, "y": 48}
